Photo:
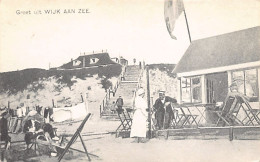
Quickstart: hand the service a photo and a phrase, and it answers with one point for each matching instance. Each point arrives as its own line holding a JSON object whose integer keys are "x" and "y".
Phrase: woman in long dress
{"x": 138, "y": 129}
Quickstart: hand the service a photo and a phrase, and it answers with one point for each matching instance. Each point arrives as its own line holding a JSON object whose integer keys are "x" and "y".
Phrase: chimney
{"x": 83, "y": 64}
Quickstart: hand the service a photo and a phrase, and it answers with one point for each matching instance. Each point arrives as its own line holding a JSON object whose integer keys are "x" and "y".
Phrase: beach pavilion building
{"x": 211, "y": 65}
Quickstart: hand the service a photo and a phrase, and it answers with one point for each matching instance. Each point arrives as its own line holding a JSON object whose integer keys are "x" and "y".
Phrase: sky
{"x": 127, "y": 28}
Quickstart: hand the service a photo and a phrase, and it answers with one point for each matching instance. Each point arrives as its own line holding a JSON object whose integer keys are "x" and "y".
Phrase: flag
{"x": 172, "y": 11}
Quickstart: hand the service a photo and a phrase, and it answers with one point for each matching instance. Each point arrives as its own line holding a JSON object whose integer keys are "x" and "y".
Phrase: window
{"x": 247, "y": 82}
{"x": 185, "y": 89}
{"x": 76, "y": 63}
{"x": 93, "y": 60}
{"x": 196, "y": 90}
{"x": 191, "y": 89}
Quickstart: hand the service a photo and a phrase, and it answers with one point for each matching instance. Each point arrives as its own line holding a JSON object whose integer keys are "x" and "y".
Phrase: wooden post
{"x": 231, "y": 134}
{"x": 258, "y": 83}
{"x": 187, "y": 24}
{"x": 53, "y": 103}
{"x": 82, "y": 99}
{"x": 149, "y": 104}
{"x": 100, "y": 111}
{"x": 83, "y": 64}
{"x": 203, "y": 89}
{"x": 86, "y": 102}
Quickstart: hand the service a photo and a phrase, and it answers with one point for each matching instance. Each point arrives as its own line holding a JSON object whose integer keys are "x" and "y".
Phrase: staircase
{"x": 126, "y": 90}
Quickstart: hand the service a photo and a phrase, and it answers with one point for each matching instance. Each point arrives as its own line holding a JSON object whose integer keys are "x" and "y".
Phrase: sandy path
{"x": 113, "y": 149}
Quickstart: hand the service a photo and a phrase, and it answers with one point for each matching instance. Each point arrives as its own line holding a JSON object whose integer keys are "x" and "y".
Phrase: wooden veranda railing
{"x": 190, "y": 116}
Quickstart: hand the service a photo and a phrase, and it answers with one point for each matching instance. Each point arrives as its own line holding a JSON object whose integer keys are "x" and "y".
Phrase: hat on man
{"x": 161, "y": 92}
{"x": 234, "y": 84}
{"x": 3, "y": 112}
{"x": 140, "y": 91}
{"x": 238, "y": 78}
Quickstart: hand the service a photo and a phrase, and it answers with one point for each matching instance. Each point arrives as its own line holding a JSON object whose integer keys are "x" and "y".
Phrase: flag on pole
{"x": 172, "y": 11}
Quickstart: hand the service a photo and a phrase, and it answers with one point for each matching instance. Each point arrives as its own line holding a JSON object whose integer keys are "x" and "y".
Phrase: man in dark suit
{"x": 120, "y": 103}
{"x": 163, "y": 110}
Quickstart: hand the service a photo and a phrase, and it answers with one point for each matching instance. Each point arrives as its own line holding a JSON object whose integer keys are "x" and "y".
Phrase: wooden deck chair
{"x": 74, "y": 138}
{"x": 224, "y": 113}
{"x": 125, "y": 119}
{"x": 251, "y": 114}
{"x": 63, "y": 149}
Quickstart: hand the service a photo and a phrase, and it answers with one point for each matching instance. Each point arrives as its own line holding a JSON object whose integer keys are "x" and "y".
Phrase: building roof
{"x": 99, "y": 60}
{"x": 220, "y": 51}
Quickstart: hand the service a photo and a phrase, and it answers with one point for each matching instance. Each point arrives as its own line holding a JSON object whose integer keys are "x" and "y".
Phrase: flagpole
{"x": 187, "y": 23}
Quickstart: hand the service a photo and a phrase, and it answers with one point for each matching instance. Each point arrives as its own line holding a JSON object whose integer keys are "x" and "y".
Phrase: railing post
{"x": 149, "y": 104}
{"x": 100, "y": 111}
{"x": 231, "y": 133}
{"x": 82, "y": 98}
{"x": 53, "y": 105}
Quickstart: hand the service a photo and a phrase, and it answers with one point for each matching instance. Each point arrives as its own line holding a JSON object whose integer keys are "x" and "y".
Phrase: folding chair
{"x": 185, "y": 117}
{"x": 179, "y": 118}
{"x": 224, "y": 114}
{"x": 73, "y": 139}
{"x": 175, "y": 118}
{"x": 63, "y": 149}
{"x": 126, "y": 120}
{"x": 129, "y": 115}
{"x": 251, "y": 114}
{"x": 190, "y": 118}
{"x": 256, "y": 112}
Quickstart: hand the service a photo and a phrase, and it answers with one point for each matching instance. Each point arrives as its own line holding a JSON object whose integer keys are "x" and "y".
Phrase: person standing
{"x": 4, "y": 129}
{"x": 138, "y": 128}
{"x": 120, "y": 103}
{"x": 163, "y": 110}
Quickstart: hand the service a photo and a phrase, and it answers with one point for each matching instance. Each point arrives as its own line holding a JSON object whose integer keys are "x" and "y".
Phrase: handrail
{"x": 119, "y": 79}
{"x": 138, "y": 84}
{"x": 113, "y": 90}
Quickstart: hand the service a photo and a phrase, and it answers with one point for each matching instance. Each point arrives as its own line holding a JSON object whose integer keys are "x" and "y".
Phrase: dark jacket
{"x": 4, "y": 129}
{"x": 159, "y": 105}
{"x": 120, "y": 102}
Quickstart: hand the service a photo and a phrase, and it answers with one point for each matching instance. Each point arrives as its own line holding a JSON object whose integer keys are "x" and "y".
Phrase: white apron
{"x": 138, "y": 128}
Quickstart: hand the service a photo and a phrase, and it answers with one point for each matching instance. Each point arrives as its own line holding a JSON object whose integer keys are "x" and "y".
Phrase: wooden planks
{"x": 209, "y": 133}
